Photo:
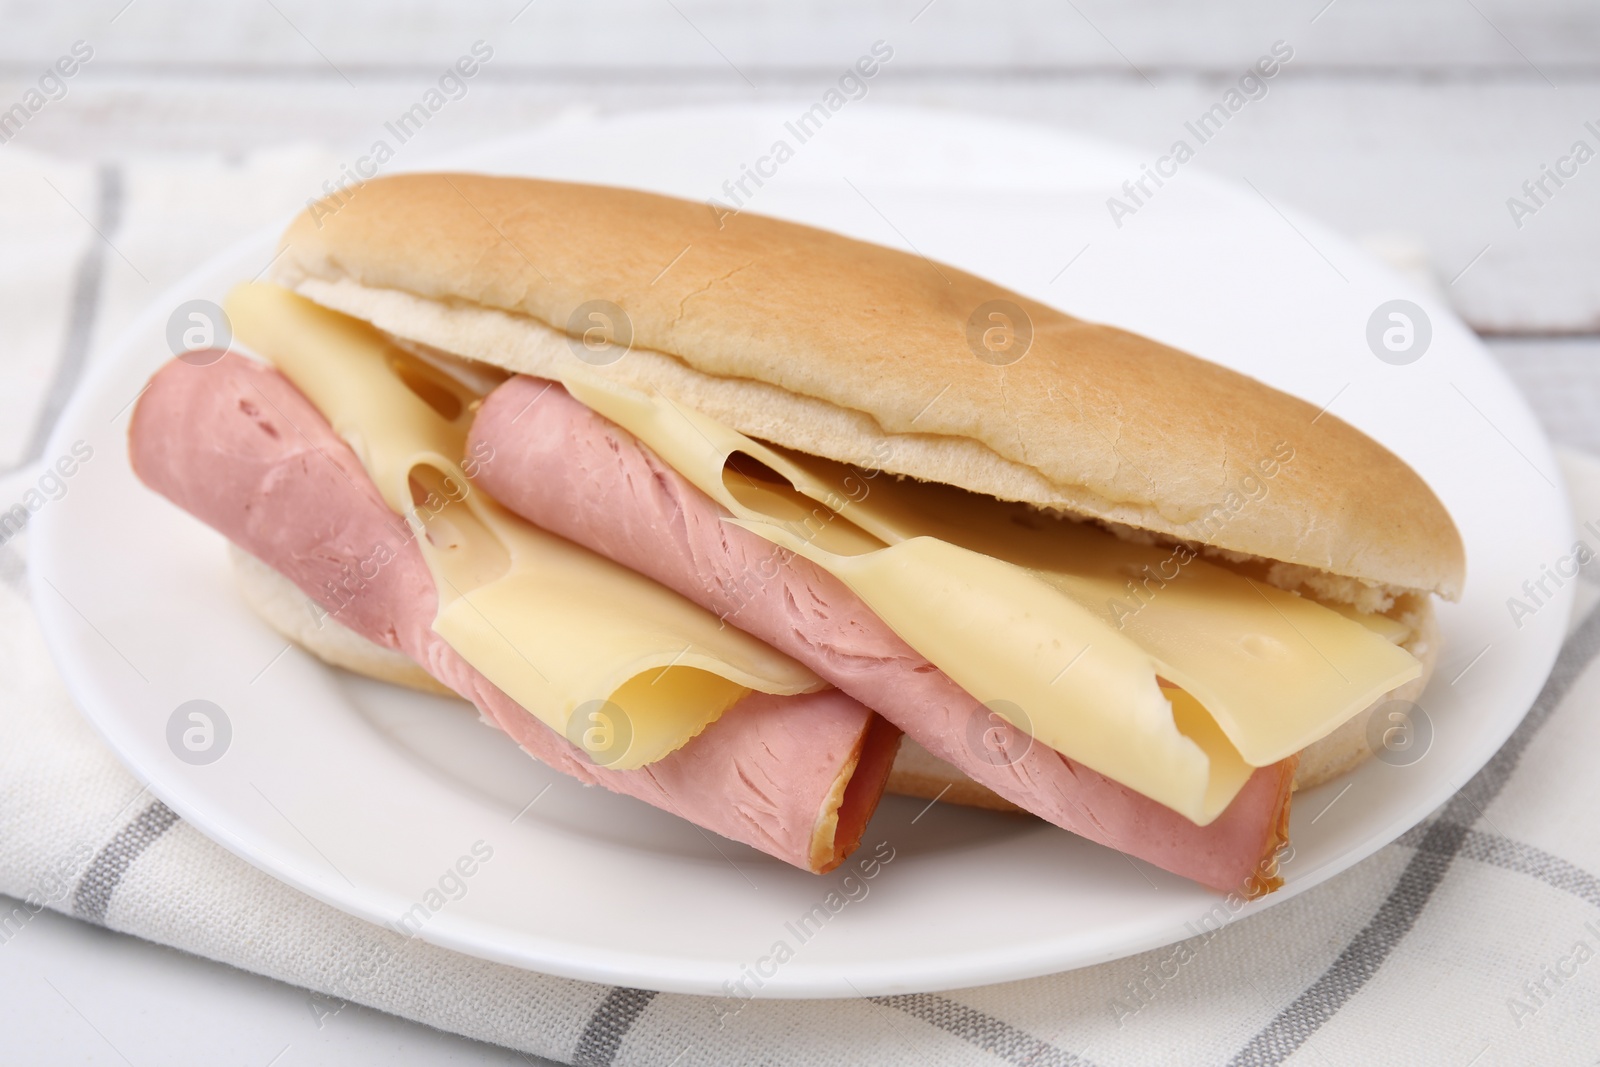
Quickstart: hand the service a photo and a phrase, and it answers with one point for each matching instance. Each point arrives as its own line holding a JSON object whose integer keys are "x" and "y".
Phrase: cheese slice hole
{"x": 432, "y": 386}
{"x": 475, "y": 555}
{"x": 761, "y": 489}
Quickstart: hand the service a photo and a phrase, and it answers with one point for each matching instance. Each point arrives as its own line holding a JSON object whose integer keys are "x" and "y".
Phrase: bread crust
{"x": 863, "y": 354}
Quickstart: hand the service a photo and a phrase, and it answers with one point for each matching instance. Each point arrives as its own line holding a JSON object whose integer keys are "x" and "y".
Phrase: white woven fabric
{"x": 1471, "y": 941}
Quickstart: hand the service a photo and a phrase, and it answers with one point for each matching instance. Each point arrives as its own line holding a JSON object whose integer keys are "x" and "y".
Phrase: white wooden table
{"x": 1408, "y": 124}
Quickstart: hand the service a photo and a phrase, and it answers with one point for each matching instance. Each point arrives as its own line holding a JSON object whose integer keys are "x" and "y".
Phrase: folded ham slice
{"x": 237, "y": 445}
{"x": 571, "y": 471}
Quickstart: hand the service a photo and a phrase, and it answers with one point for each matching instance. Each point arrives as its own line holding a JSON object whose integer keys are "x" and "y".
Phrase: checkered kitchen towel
{"x": 1469, "y": 941}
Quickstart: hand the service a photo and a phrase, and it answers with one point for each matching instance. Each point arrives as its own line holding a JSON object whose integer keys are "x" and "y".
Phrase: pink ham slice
{"x": 569, "y": 470}
{"x": 237, "y": 445}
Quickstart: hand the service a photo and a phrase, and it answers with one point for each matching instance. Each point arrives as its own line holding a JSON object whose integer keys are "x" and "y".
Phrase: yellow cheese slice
{"x": 1276, "y": 670}
{"x": 616, "y": 663}
{"x": 1062, "y": 623}
{"x": 1392, "y": 630}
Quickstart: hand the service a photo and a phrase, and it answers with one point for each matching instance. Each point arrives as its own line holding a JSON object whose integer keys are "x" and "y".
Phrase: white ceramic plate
{"x": 366, "y": 796}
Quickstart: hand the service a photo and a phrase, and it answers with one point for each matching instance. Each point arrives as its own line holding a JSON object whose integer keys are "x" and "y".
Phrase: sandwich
{"x": 712, "y": 509}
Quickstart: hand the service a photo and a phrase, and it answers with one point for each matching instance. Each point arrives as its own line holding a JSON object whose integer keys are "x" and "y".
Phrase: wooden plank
{"x": 1561, "y": 379}
{"x": 1150, "y": 36}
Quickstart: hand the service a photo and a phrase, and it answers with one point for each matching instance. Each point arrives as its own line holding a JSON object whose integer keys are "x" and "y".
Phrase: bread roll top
{"x": 882, "y": 358}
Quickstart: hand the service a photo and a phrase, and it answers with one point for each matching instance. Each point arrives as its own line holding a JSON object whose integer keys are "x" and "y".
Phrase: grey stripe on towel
{"x": 609, "y": 1024}
{"x": 105, "y": 872}
{"x": 994, "y": 1036}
